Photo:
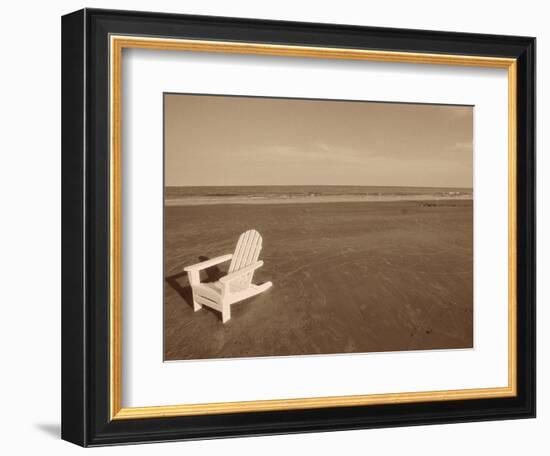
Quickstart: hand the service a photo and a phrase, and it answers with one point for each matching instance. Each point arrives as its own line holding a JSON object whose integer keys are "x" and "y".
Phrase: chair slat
{"x": 241, "y": 245}
{"x": 252, "y": 248}
{"x": 247, "y": 252}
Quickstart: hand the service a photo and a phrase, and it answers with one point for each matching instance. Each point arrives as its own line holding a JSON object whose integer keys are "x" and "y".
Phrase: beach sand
{"x": 347, "y": 277}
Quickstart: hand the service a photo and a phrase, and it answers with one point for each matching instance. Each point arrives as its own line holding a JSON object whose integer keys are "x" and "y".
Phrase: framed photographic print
{"x": 278, "y": 227}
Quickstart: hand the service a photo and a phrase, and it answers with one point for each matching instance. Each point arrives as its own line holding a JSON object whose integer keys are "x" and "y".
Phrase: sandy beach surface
{"x": 347, "y": 277}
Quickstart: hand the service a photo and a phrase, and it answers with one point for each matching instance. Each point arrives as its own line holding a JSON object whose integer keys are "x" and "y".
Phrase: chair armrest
{"x": 241, "y": 272}
{"x": 208, "y": 263}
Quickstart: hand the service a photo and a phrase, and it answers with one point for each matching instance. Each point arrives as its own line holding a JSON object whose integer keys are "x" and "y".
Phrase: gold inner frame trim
{"x": 117, "y": 44}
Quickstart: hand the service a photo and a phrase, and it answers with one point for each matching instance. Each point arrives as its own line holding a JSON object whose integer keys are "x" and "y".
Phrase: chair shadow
{"x": 213, "y": 273}
{"x": 184, "y": 291}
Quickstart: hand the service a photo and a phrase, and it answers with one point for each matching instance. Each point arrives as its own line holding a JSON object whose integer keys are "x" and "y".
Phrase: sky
{"x": 228, "y": 141}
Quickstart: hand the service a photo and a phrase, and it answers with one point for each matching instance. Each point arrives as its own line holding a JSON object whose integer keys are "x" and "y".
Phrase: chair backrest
{"x": 246, "y": 253}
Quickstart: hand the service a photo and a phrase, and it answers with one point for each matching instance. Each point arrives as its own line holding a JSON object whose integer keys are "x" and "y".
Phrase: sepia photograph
{"x": 298, "y": 227}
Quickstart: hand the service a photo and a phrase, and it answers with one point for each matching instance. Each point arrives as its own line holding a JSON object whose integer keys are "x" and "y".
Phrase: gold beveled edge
{"x": 512, "y": 227}
{"x": 235, "y": 47}
{"x": 164, "y": 411}
{"x": 115, "y": 246}
{"x": 116, "y": 45}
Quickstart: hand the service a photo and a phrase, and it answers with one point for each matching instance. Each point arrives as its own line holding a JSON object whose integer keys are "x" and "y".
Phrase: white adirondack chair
{"x": 237, "y": 284}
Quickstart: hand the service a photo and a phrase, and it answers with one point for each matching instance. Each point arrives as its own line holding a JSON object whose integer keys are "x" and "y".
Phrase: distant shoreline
{"x": 317, "y": 199}
{"x": 294, "y": 194}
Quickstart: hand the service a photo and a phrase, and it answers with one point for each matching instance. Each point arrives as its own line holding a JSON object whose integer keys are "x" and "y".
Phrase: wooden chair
{"x": 237, "y": 284}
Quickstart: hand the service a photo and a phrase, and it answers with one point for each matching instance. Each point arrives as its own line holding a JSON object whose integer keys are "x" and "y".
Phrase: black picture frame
{"x": 85, "y": 228}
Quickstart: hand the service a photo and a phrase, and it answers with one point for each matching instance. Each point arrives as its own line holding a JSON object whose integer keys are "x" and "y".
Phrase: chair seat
{"x": 216, "y": 287}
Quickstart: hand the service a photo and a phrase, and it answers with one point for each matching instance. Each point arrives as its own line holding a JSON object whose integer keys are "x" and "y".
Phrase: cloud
{"x": 317, "y": 152}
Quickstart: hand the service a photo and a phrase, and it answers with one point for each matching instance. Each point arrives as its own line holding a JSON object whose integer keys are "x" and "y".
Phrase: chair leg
{"x": 196, "y": 305}
{"x": 226, "y": 312}
{"x": 194, "y": 279}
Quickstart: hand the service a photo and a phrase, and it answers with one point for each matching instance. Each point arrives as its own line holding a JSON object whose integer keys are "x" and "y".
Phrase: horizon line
{"x": 323, "y": 185}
